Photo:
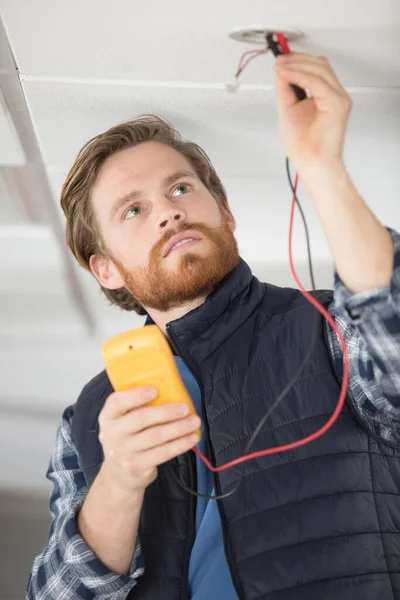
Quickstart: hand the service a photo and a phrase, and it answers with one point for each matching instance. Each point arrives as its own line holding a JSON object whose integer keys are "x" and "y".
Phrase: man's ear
{"x": 106, "y": 272}
{"x": 229, "y": 216}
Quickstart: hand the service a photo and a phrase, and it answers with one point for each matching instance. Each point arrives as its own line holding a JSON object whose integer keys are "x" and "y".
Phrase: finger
{"x": 316, "y": 66}
{"x": 159, "y": 435}
{"x": 293, "y": 57}
{"x": 300, "y": 56}
{"x": 148, "y": 416}
{"x": 286, "y": 98}
{"x": 120, "y": 403}
{"x": 319, "y": 86}
{"x": 161, "y": 454}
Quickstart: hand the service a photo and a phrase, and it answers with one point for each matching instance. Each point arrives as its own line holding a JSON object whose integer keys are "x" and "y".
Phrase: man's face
{"x": 166, "y": 198}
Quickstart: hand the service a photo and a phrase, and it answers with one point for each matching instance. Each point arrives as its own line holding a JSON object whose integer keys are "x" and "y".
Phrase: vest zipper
{"x": 192, "y": 504}
{"x": 210, "y": 449}
{"x": 192, "y": 521}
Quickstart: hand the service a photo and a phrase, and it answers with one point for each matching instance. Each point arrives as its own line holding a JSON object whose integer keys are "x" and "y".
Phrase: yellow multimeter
{"x": 142, "y": 357}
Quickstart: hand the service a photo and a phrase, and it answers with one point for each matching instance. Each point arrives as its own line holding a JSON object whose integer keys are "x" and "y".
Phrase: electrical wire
{"x": 320, "y": 309}
{"x": 310, "y": 265}
{"x": 255, "y": 53}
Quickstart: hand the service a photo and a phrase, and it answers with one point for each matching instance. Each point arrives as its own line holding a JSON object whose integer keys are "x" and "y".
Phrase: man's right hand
{"x": 137, "y": 438}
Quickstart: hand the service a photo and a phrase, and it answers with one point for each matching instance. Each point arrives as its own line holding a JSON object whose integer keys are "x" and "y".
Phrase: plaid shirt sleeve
{"x": 370, "y": 324}
{"x": 67, "y": 568}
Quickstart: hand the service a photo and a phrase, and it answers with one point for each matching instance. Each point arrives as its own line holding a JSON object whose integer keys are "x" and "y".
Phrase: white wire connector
{"x": 233, "y": 85}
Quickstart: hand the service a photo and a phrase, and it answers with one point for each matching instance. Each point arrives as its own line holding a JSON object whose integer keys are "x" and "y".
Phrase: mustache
{"x": 200, "y": 227}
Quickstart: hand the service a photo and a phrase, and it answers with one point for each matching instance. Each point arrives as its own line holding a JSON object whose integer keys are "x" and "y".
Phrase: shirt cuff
{"x": 355, "y": 305}
{"x": 93, "y": 574}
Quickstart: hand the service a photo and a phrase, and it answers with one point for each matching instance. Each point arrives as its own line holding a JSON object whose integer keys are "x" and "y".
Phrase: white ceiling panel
{"x": 11, "y": 151}
{"x": 11, "y": 211}
{"x": 35, "y": 298}
{"x": 28, "y": 244}
{"x": 232, "y": 128}
{"x": 188, "y": 41}
{"x": 238, "y": 131}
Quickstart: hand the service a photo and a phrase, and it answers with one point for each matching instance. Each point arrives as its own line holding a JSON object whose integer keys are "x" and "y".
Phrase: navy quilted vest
{"x": 321, "y": 522}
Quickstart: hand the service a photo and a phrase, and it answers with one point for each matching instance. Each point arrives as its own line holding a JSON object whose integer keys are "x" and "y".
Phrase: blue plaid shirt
{"x": 370, "y": 324}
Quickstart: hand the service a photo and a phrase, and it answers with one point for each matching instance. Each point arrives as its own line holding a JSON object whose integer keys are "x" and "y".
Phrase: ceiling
{"x": 69, "y": 70}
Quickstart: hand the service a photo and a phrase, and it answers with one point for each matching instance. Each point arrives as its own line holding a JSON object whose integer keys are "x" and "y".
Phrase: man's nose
{"x": 170, "y": 217}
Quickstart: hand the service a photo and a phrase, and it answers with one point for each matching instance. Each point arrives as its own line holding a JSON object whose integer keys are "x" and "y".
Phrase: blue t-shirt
{"x": 209, "y": 575}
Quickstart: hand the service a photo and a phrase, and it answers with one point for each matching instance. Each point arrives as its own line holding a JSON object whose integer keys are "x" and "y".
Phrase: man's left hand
{"x": 313, "y": 129}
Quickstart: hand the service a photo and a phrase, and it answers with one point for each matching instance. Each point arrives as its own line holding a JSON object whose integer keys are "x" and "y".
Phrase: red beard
{"x": 194, "y": 275}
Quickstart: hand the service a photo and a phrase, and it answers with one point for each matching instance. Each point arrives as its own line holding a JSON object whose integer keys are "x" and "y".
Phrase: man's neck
{"x": 161, "y": 318}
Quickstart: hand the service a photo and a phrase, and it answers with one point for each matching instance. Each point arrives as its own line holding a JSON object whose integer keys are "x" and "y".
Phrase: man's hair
{"x": 82, "y": 230}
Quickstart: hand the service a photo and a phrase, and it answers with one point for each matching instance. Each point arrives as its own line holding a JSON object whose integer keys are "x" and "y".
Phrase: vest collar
{"x": 206, "y": 327}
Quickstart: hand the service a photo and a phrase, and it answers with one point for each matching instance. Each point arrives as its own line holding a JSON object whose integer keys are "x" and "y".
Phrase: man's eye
{"x": 183, "y": 186}
{"x": 130, "y": 212}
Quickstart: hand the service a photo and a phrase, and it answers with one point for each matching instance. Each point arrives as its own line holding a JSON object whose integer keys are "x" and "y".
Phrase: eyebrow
{"x": 121, "y": 202}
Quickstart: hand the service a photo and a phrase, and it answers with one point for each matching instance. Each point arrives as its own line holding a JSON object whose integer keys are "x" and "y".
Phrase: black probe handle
{"x": 275, "y": 48}
{"x": 300, "y": 93}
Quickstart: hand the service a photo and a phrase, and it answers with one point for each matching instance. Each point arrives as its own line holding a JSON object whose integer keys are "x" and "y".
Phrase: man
{"x": 147, "y": 214}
